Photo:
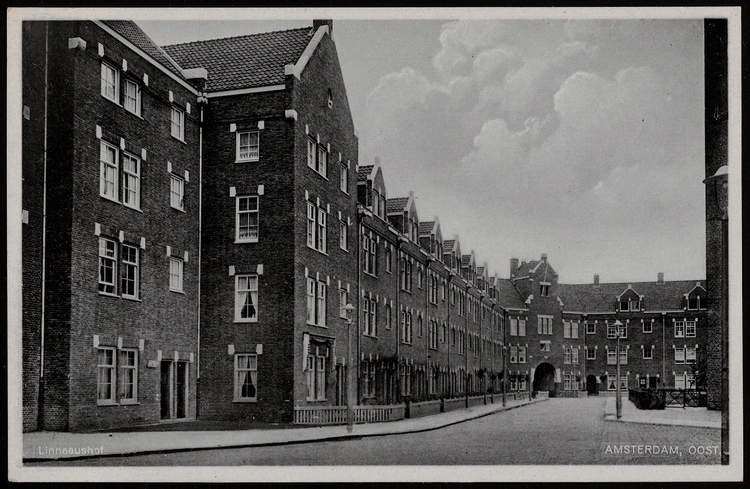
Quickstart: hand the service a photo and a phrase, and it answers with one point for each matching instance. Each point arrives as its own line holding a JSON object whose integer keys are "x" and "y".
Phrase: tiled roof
{"x": 448, "y": 245}
{"x": 396, "y": 205}
{"x": 363, "y": 172}
{"x": 465, "y": 260}
{"x": 480, "y": 271}
{"x": 130, "y": 30}
{"x": 245, "y": 61}
{"x": 426, "y": 227}
{"x": 656, "y": 297}
{"x": 508, "y": 295}
{"x": 526, "y": 268}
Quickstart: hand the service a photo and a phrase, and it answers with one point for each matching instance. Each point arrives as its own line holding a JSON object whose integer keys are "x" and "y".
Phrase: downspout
{"x": 40, "y": 399}
{"x": 427, "y": 317}
{"x": 360, "y": 237}
{"x": 200, "y": 250}
{"x": 448, "y": 300}
{"x": 466, "y": 350}
{"x": 585, "y": 354}
{"x": 505, "y": 355}
{"x": 399, "y": 370}
{"x": 663, "y": 349}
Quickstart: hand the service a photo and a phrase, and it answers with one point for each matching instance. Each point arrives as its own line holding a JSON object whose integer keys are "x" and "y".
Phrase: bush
{"x": 648, "y": 398}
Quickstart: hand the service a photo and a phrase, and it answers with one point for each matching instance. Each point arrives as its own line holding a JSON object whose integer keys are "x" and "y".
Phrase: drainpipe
{"x": 505, "y": 356}
{"x": 663, "y": 349}
{"x": 448, "y": 300}
{"x": 427, "y": 316}
{"x": 361, "y": 212}
{"x": 40, "y": 398}
{"x": 585, "y": 355}
{"x": 399, "y": 371}
{"x": 466, "y": 350}
{"x": 201, "y": 99}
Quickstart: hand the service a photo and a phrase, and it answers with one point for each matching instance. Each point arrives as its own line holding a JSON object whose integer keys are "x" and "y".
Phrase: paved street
{"x": 558, "y": 431}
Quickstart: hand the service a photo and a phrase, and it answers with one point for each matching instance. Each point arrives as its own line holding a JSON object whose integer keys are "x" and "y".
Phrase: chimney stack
{"x": 318, "y": 22}
{"x": 544, "y": 257}
{"x": 377, "y": 160}
{"x": 596, "y": 280}
{"x": 660, "y": 278}
{"x": 513, "y": 266}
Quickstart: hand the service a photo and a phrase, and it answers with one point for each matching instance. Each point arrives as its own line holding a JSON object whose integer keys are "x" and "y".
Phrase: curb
{"x": 342, "y": 437}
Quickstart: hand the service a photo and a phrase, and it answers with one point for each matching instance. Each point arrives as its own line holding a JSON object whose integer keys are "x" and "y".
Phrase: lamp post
{"x": 618, "y": 400}
{"x": 349, "y": 309}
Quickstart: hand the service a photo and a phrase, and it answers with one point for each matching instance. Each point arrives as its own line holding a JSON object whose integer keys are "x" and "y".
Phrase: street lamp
{"x": 618, "y": 400}
{"x": 349, "y": 312}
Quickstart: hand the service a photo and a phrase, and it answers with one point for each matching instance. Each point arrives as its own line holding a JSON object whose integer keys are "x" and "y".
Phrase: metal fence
{"x": 327, "y": 415}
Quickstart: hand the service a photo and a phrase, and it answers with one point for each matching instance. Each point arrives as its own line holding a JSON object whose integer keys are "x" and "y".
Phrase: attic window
{"x": 694, "y": 303}
{"x": 330, "y": 99}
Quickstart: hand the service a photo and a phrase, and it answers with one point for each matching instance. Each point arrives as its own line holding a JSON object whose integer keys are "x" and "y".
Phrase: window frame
{"x": 107, "y": 168}
{"x": 112, "y": 368}
{"x": 103, "y": 260}
{"x": 239, "y": 306}
{"x": 250, "y": 368}
{"x": 179, "y": 124}
{"x": 176, "y": 280}
{"x": 249, "y": 212}
{"x": 650, "y": 355}
{"x": 589, "y": 350}
{"x": 343, "y": 234}
{"x": 251, "y": 155}
{"x": 177, "y": 179}
{"x": 344, "y": 178}
{"x": 679, "y": 328}
{"x": 127, "y": 265}
{"x": 115, "y": 84}
{"x": 128, "y": 82}
{"x": 122, "y": 369}
{"x": 650, "y": 328}
{"x": 135, "y": 176}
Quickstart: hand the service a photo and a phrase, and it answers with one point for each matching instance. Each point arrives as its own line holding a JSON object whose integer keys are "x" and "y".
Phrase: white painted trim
{"x": 298, "y": 67}
{"x": 244, "y": 91}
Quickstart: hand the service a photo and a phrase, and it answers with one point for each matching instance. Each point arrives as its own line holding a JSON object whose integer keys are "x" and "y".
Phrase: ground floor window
{"x": 316, "y": 373}
{"x": 117, "y": 376}
{"x": 368, "y": 379}
{"x": 245, "y": 377}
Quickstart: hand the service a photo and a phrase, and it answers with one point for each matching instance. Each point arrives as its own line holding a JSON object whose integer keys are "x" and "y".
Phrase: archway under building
{"x": 544, "y": 378}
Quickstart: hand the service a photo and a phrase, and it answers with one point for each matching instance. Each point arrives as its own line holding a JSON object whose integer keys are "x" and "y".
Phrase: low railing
{"x": 685, "y": 397}
{"x": 327, "y": 415}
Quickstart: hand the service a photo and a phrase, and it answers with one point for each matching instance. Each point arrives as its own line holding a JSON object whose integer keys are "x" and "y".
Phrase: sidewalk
{"x": 49, "y": 445}
{"x": 675, "y": 416}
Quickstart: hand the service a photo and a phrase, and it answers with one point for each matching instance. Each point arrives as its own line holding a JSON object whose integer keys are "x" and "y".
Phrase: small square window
{"x": 248, "y": 146}
{"x": 648, "y": 353}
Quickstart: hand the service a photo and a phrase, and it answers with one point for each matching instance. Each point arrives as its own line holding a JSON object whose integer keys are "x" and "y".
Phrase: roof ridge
{"x": 236, "y": 37}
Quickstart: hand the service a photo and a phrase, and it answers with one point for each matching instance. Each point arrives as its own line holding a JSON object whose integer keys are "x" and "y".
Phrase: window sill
{"x": 134, "y": 113}
{"x": 244, "y": 401}
{"x": 178, "y": 139}
{"x": 113, "y": 101}
{"x": 177, "y": 291}
{"x": 178, "y": 209}
{"x": 319, "y": 325}
{"x": 106, "y": 197}
{"x": 316, "y": 400}
{"x": 370, "y": 336}
{"x": 315, "y": 249}
{"x": 247, "y": 161}
{"x": 106, "y": 403}
{"x": 244, "y": 241}
{"x": 245, "y": 321}
{"x": 129, "y": 403}
{"x": 369, "y": 274}
{"x": 344, "y": 249}
{"x": 132, "y": 299}
{"x": 137, "y": 209}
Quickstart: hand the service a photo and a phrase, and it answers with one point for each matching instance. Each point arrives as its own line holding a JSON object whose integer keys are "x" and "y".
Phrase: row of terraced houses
{"x": 196, "y": 221}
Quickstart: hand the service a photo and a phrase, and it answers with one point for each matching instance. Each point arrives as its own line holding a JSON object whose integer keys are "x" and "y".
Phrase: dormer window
{"x": 629, "y": 305}
{"x": 694, "y": 303}
{"x": 544, "y": 289}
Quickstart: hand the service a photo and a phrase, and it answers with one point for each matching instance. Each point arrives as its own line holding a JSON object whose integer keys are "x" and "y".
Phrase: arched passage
{"x": 544, "y": 377}
{"x": 591, "y": 386}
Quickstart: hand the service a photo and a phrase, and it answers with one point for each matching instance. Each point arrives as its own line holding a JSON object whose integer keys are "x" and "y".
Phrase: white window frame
{"x": 316, "y": 376}
{"x": 567, "y": 356}
{"x": 679, "y": 355}
{"x": 648, "y": 327}
{"x": 343, "y": 234}
{"x": 623, "y": 356}
{"x": 177, "y": 124}
{"x": 679, "y": 329}
{"x": 321, "y": 303}
{"x": 566, "y": 329}
{"x": 513, "y": 327}
{"x": 110, "y": 89}
{"x": 132, "y": 102}
{"x": 243, "y": 291}
{"x": 109, "y": 171}
{"x": 124, "y": 370}
{"x": 574, "y": 325}
{"x": 344, "y": 178}
{"x": 691, "y": 353}
{"x": 650, "y": 355}
{"x": 176, "y": 192}
{"x": 343, "y": 301}
{"x": 128, "y": 267}
{"x": 589, "y": 350}
{"x": 176, "y": 273}
{"x": 690, "y": 329}
{"x": 252, "y": 153}
{"x": 131, "y": 176}
{"x": 521, "y": 354}
{"x": 592, "y": 328}
{"x": 249, "y": 212}
{"x": 250, "y": 370}
{"x": 103, "y": 367}
{"x": 107, "y": 261}
{"x": 574, "y": 356}
{"x": 611, "y": 356}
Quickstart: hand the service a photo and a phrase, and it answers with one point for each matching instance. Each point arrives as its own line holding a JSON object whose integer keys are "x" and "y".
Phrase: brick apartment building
{"x": 209, "y": 273}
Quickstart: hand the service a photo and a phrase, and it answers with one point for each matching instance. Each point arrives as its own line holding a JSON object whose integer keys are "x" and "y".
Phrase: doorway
{"x": 174, "y": 389}
{"x": 544, "y": 378}
{"x": 591, "y": 386}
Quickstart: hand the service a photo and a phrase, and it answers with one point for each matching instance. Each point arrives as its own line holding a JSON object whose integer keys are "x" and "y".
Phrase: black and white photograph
{"x": 480, "y": 244}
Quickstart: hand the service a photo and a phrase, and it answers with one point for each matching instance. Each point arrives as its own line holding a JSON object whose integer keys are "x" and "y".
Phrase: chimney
{"x": 318, "y": 22}
{"x": 377, "y": 160}
{"x": 596, "y": 280}
{"x": 513, "y": 266}
{"x": 660, "y": 278}
{"x": 544, "y": 257}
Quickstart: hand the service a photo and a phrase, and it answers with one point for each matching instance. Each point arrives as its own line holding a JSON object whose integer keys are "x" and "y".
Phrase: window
{"x": 590, "y": 353}
{"x": 246, "y": 219}
{"x": 611, "y": 356}
{"x": 245, "y": 298}
{"x": 679, "y": 381}
{"x": 105, "y": 383}
{"x": 128, "y": 378}
{"x": 344, "y": 178}
{"x": 444, "y": 333}
{"x": 419, "y": 277}
{"x": 679, "y": 329}
{"x": 420, "y": 333}
{"x": 388, "y": 259}
{"x": 648, "y": 353}
{"x": 322, "y": 167}
{"x": 590, "y": 327}
{"x": 388, "y": 316}
{"x": 566, "y": 329}
{"x": 175, "y": 274}
{"x": 611, "y": 331}
{"x": 624, "y": 330}
{"x": 694, "y": 303}
{"x": 566, "y": 382}
{"x": 514, "y": 327}
{"x": 545, "y": 345}
{"x": 521, "y": 327}
{"x": 108, "y": 157}
{"x": 178, "y": 124}
{"x": 545, "y": 324}
{"x": 433, "y": 337}
{"x": 513, "y": 354}
{"x": 648, "y": 327}
{"x": 369, "y": 316}
{"x": 317, "y": 292}
{"x": 679, "y": 355}
{"x": 132, "y": 97}
{"x": 624, "y": 306}
{"x": 343, "y": 301}
{"x": 544, "y": 290}
{"x": 368, "y": 379}
{"x": 406, "y": 328}
{"x": 317, "y": 157}
{"x": 110, "y": 83}
{"x": 574, "y": 353}
{"x": 316, "y": 374}
{"x": 245, "y": 378}
{"x": 690, "y": 329}
{"x": 690, "y": 354}
{"x": 107, "y": 266}
{"x": 248, "y": 146}
{"x": 316, "y": 227}
{"x": 129, "y": 272}
{"x": 521, "y": 354}
{"x": 369, "y": 254}
{"x": 623, "y": 356}
{"x": 567, "y": 356}
{"x": 177, "y": 192}
{"x": 574, "y": 330}
{"x": 131, "y": 192}
{"x": 343, "y": 234}
{"x": 406, "y": 282}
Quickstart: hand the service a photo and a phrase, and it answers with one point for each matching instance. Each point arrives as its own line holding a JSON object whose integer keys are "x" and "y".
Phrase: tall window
{"x": 521, "y": 354}
{"x": 317, "y": 157}
{"x": 128, "y": 376}
{"x": 320, "y": 303}
{"x": 105, "y": 384}
{"x": 690, "y": 354}
{"x": 245, "y": 377}
{"x": 248, "y": 146}
{"x": 245, "y": 298}
{"x": 513, "y": 354}
{"x": 175, "y": 274}
{"x": 129, "y": 272}
{"x": 316, "y": 227}
{"x": 388, "y": 258}
{"x": 368, "y": 379}
{"x": 648, "y": 327}
{"x": 679, "y": 355}
{"x": 322, "y": 166}
{"x": 623, "y": 356}
{"x": 132, "y": 97}
{"x": 343, "y": 234}
{"x": 316, "y": 374}
{"x": 343, "y": 301}
{"x": 567, "y": 355}
{"x": 690, "y": 329}
{"x": 406, "y": 282}
{"x": 611, "y": 356}
{"x": 679, "y": 329}
{"x": 131, "y": 192}
{"x": 544, "y": 290}
{"x": 694, "y": 303}
{"x": 108, "y": 157}
{"x": 544, "y": 324}
{"x": 369, "y": 316}
{"x": 369, "y": 254}
{"x": 107, "y": 266}
{"x": 406, "y": 327}
{"x": 566, "y": 329}
{"x": 247, "y": 219}
{"x": 176, "y": 192}
{"x": 648, "y": 353}
{"x": 388, "y": 316}
{"x": 521, "y": 327}
{"x": 574, "y": 355}
{"x": 344, "y": 178}
{"x": 110, "y": 82}
{"x": 611, "y": 331}
{"x": 178, "y": 124}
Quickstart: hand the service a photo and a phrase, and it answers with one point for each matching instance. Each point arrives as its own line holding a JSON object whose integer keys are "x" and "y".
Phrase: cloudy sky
{"x": 578, "y": 138}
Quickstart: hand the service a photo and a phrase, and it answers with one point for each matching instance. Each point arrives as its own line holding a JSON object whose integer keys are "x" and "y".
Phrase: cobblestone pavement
{"x": 557, "y": 432}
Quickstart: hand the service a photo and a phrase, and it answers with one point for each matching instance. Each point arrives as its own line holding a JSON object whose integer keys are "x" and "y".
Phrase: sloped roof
{"x": 526, "y": 268}
{"x": 363, "y": 172}
{"x": 507, "y": 294}
{"x": 426, "y": 227}
{"x": 465, "y": 260}
{"x": 659, "y": 297}
{"x": 244, "y": 61}
{"x": 448, "y": 245}
{"x": 396, "y": 205}
{"x": 480, "y": 271}
{"x": 130, "y": 30}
